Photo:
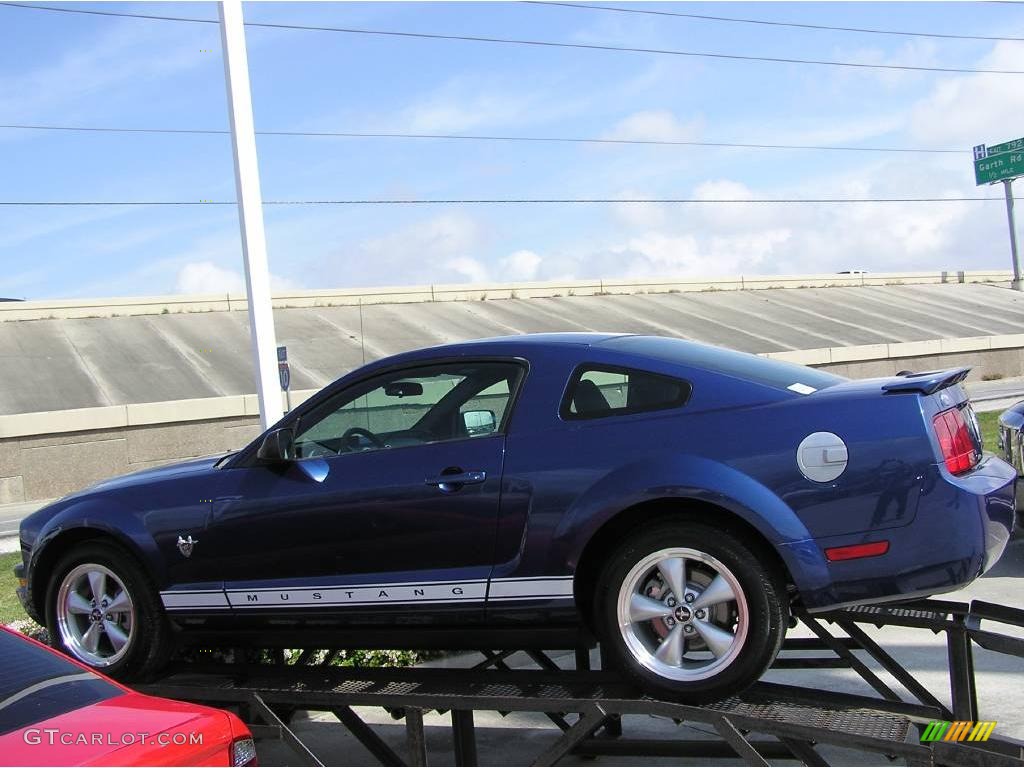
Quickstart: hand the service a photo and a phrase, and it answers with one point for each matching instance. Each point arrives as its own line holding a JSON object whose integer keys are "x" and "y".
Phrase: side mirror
{"x": 479, "y": 422}
{"x": 277, "y": 446}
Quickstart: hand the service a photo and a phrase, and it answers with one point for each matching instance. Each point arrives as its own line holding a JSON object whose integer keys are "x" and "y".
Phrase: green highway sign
{"x": 998, "y": 162}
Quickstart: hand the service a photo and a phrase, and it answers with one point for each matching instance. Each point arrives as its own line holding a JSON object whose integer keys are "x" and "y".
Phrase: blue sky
{"x": 70, "y": 69}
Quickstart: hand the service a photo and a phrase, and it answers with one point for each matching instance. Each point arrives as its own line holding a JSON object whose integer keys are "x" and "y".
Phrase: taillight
{"x": 955, "y": 441}
{"x": 243, "y": 752}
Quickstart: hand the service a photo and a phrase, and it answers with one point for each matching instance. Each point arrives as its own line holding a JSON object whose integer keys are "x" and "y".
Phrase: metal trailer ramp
{"x": 767, "y": 721}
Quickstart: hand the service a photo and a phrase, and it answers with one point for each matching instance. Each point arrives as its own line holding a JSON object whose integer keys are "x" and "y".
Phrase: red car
{"x": 55, "y": 711}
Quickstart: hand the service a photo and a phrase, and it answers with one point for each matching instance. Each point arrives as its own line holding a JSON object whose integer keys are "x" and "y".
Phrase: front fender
{"x": 682, "y": 476}
{"x": 106, "y": 516}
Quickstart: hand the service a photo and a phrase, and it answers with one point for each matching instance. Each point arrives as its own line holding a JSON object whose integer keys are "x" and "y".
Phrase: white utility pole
{"x": 250, "y": 212}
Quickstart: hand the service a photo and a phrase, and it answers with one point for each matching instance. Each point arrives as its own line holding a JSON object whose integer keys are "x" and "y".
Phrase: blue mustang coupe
{"x": 674, "y": 500}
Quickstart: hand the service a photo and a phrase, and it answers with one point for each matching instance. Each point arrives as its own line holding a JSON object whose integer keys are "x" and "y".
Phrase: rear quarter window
{"x": 741, "y": 365}
{"x": 597, "y": 391}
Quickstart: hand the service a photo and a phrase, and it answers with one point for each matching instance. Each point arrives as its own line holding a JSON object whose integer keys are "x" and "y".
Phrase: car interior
{"x": 430, "y": 405}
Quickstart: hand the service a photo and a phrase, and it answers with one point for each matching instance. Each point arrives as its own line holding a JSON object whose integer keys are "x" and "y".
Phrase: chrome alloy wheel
{"x": 682, "y": 614}
{"x": 95, "y": 615}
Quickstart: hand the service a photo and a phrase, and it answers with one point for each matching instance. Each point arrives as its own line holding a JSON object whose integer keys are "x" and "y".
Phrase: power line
{"x": 765, "y": 22}
{"x": 110, "y": 13}
{"x": 512, "y": 201}
{"x": 546, "y": 43}
{"x": 480, "y": 137}
{"x": 108, "y": 129}
{"x": 629, "y": 49}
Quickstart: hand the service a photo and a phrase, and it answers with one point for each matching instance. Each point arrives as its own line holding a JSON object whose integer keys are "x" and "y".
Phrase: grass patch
{"x": 10, "y": 607}
{"x": 989, "y": 422}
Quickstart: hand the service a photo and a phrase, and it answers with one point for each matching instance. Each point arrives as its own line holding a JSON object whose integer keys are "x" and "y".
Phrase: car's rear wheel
{"x": 689, "y": 612}
{"x": 103, "y": 610}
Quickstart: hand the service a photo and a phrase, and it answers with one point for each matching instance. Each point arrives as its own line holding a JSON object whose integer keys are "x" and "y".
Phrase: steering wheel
{"x": 311, "y": 449}
{"x": 353, "y": 431}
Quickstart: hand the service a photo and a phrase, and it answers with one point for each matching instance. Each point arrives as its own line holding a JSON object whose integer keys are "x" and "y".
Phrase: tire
{"x": 726, "y": 644}
{"x": 131, "y": 639}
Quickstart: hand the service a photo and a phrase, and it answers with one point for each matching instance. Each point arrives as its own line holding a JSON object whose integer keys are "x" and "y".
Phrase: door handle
{"x": 453, "y": 482}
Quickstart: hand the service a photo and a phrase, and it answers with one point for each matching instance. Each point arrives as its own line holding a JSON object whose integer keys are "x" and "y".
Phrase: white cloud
{"x": 468, "y": 269}
{"x": 472, "y": 101}
{"x": 444, "y": 248}
{"x": 654, "y": 125}
{"x": 722, "y": 189}
{"x": 973, "y": 109}
{"x": 207, "y": 277}
{"x": 445, "y": 115}
{"x": 751, "y": 238}
{"x": 820, "y": 129}
{"x": 640, "y": 215}
{"x": 913, "y": 53}
{"x": 520, "y": 265}
{"x": 658, "y": 253}
{"x": 646, "y": 240}
{"x": 716, "y": 218}
{"x": 658, "y": 216}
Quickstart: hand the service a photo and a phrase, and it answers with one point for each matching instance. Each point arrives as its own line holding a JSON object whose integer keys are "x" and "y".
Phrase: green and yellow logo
{"x": 958, "y": 730}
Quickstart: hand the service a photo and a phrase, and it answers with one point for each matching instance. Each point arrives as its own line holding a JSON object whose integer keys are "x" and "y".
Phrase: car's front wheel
{"x": 689, "y": 612}
{"x": 103, "y": 610}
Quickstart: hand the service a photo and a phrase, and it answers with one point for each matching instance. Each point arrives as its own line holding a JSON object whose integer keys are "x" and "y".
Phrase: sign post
{"x": 1003, "y": 162}
{"x": 284, "y": 374}
{"x": 1017, "y": 283}
{"x": 250, "y": 209}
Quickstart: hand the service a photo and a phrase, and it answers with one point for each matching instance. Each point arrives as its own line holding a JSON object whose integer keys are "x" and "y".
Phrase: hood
{"x": 32, "y": 524}
{"x": 165, "y": 472}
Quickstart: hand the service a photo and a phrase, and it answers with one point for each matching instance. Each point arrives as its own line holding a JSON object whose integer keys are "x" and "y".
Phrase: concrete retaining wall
{"x": 1004, "y": 363}
{"x": 53, "y": 465}
{"x": 47, "y": 455}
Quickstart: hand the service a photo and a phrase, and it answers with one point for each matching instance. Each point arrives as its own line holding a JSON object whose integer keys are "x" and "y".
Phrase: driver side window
{"x": 408, "y": 407}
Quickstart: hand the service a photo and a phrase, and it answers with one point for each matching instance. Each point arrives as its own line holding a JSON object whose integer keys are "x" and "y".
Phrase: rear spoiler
{"x": 927, "y": 383}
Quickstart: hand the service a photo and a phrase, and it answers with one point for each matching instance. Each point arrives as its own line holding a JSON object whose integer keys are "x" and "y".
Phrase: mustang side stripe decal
{"x": 401, "y": 593}
{"x": 386, "y": 585}
{"x": 521, "y": 588}
{"x": 358, "y": 595}
{"x": 178, "y": 600}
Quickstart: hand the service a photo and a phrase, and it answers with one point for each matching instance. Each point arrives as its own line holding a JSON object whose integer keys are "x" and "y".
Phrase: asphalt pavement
{"x": 996, "y": 395}
{"x": 11, "y": 516}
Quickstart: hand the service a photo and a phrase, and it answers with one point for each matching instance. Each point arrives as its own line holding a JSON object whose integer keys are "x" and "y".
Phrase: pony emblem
{"x": 185, "y": 546}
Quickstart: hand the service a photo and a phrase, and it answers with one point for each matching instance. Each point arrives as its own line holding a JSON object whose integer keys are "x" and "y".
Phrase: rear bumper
{"x": 961, "y": 529}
